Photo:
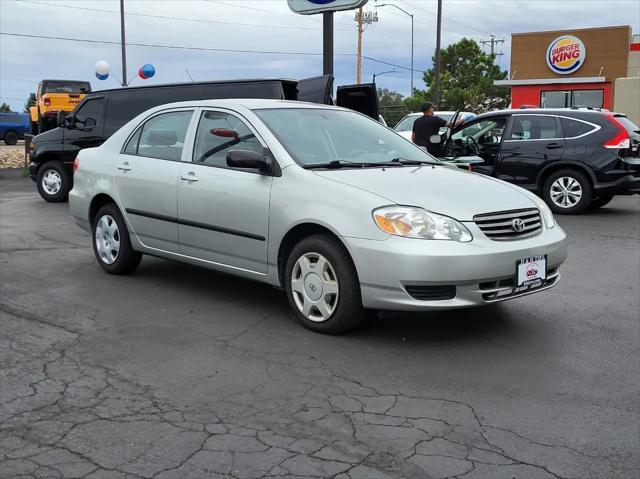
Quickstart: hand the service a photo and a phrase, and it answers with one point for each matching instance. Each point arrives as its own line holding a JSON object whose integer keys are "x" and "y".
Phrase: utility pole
{"x": 359, "y": 64}
{"x": 437, "y": 66}
{"x": 123, "y": 45}
{"x": 492, "y": 42}
{"x": 362, "y": 18}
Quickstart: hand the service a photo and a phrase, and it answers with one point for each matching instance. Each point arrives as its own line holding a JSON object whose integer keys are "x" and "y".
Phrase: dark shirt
{"x": 425, "y": 127}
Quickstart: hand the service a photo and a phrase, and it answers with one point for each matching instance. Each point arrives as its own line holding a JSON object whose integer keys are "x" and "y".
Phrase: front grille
{"x": 499, "y": 226}
{"x": 431, "y": 293}
{"x": 506, "y": 288}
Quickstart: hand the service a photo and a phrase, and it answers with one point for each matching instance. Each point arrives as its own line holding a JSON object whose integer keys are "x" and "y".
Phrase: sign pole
{"x": 327, "y": 43}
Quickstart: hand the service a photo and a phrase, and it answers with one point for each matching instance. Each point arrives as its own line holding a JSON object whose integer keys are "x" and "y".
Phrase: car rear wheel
{"x": 53, "y": 182}
{"x": 11, "y": 138}
{"x": 111, "y": 242}
{"x": 322, "y": 285}
{"x": 568, "y": 192}
{"x": 600, "y": 201}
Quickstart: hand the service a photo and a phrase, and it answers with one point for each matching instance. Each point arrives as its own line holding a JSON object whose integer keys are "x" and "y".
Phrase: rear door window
{"x": 573, "y": 128}
{"x": 161, "y": 137}
{"x": 534, "y": 127}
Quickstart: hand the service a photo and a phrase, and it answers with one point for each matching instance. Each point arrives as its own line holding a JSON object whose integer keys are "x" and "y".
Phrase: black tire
{"x": 11, "y": 138}
{"x": 127, "y": 259}
{"x": 347, "y": 313}
{"x": 47, "y": 189}
{"x": 600, "y": 201}
{"x": 585, "y": 188}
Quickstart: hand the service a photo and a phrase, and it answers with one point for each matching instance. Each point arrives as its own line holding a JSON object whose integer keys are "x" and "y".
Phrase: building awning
{"x": 549, "y": 81}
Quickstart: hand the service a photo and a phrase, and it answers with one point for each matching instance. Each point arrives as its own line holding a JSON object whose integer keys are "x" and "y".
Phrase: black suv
{"x": 576, "y": 159}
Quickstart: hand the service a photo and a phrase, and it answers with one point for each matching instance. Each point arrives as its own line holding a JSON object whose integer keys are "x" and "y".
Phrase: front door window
{"x": 481, "y": 138}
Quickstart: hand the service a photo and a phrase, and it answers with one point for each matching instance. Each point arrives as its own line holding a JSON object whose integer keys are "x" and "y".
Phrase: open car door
{"x": 316, "y": 90}
{"x": 446, "y": 149}
{"x": 362, "y": 98}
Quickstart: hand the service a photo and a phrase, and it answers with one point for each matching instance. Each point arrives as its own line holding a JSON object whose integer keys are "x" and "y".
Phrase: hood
{"x": 51, "y": 135}
{"x": 445, "y": 190}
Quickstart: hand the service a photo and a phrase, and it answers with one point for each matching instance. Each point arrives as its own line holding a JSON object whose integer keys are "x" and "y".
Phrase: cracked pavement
{"x": 180, "y": 372}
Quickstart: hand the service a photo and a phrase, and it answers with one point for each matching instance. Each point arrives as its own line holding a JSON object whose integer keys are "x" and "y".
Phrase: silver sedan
{"x": 323, "y": 202}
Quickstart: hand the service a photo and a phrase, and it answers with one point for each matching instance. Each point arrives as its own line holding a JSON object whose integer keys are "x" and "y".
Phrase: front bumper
{"x": 482, "y": 271}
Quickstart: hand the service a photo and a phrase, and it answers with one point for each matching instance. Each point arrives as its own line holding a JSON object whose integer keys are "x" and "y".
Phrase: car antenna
{"x": 192, "y": 81}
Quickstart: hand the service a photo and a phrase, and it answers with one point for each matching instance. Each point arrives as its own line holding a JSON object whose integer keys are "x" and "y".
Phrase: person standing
{"x": 428, "y": 125}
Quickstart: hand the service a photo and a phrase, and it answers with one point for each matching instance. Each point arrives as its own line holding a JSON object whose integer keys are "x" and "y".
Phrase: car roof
{"x": 250, "y": 103}
{"x": 543, "y": 111}
{"x": 197, "y": 83}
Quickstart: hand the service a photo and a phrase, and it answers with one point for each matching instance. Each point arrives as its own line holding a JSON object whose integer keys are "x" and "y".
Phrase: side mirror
{"x": 61, "y": 119}
{"x": 225, "y": 133}
{"x": 249, "y": 159}
{"x": 435, "y": 139}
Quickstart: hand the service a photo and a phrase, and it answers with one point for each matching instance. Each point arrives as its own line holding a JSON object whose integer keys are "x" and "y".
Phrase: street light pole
{"x": 437, "y": 66}
{"x": 411, "y": 16}
{"x": 123, "y": 45}
{"x": 382, "y": 73}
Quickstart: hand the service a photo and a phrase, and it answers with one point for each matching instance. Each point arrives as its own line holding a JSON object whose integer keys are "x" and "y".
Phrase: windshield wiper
{"x": 349, "y": 164}
{"x": 405, "y": 161}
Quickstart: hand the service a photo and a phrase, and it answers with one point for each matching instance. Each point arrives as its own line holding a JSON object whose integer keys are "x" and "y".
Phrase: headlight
{"x": 412, "y": 222}
{"x": 547, "y": 215}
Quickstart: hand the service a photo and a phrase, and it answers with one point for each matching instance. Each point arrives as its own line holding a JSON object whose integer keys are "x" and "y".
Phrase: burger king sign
{"x": 566, "y": 54}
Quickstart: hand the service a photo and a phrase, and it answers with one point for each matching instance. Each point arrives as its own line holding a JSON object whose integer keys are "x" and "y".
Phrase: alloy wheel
{"x": 566, "y": 192}
{"x": 107, "y": 239}
{"x": 51, "y": 182}
{"x": 314, "y": 285}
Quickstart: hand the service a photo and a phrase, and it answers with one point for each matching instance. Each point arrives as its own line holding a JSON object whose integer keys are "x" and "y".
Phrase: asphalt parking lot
{"x": 179, "y": 372}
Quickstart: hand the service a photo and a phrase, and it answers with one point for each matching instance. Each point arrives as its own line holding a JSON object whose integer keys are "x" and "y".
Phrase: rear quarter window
{"x": 573, "y": 128}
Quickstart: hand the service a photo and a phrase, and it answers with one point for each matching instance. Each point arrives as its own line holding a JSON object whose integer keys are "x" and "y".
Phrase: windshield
{"x": 73, "y": 87}
{"x": 406, "y": 124}
{"x": 318, "y": 136}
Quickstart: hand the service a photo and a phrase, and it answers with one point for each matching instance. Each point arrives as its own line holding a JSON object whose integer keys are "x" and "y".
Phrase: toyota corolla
{"x": 323, "y": 202}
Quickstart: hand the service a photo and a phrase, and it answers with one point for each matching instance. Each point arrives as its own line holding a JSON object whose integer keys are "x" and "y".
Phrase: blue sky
{"x": 264, "y": 25}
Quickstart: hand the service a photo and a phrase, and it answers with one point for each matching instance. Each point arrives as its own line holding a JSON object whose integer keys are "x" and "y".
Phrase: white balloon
{"x": 103, "y": 68}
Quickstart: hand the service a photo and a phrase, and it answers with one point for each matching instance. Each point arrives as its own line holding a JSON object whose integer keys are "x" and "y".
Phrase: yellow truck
{"x": 52, "y": 97}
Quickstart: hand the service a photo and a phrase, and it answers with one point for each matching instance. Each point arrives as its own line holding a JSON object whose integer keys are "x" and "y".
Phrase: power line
{"x": 211, "y": 49}
{"x": 167, "y": 17}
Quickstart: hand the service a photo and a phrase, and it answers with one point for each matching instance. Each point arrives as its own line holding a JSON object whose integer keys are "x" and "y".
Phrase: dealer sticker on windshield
{"x": 532, "y": 270}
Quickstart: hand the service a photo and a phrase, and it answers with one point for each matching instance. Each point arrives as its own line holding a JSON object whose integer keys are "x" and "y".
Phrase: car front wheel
{"x": 568, "y": 192}
{"x": 322, "y": 285}
{"x": 53, "y": 182}
{"x": 111, "y": 242}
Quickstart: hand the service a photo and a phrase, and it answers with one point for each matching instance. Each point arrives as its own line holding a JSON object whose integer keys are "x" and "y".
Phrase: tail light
{"x": 76, "y": 164}
{"x": 47, "y": 102}
{"x": 621, "y": 138}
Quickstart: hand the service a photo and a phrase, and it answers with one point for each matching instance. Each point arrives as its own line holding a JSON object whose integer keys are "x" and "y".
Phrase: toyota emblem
{"x": 518, "y": 225}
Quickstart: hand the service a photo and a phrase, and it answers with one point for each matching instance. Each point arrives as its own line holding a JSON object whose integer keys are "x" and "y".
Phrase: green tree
{"x": 31, "y": 101}
{"x": 388, "y": 97}
{"x": 5, "y": 108}
{"x": 466, "y": 79}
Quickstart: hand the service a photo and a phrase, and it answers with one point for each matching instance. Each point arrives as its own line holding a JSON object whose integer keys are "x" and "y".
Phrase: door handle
{"x": 553, "y": 146}
{"x": 191, "y": 176}
{"x": 124, "y": 166}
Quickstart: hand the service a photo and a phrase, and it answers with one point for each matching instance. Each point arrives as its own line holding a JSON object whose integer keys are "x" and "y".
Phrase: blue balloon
{"x": 146, "y": 71}
{"x": 101, "y": 77}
